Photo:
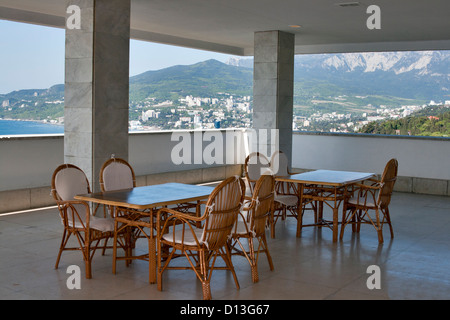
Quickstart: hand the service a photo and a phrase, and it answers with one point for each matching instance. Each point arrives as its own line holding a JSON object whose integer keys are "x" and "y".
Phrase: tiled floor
{"x": 414, "y": 265}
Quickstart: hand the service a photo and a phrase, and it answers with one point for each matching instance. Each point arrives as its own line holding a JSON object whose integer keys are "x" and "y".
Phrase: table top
{"x": 149, "y": 196}
{"x": 327, "y": 177}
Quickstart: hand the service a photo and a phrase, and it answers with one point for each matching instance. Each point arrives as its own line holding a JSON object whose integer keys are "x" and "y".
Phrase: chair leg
{"x": 272, "y": 224}
{"x": 87, "y": 260}
{"x": 206, "y": 289}
{"x": 229, "y": 263}
{"x": 252, "y": 260}
{"x": 300, "y": 221}
{"x": 104, "y": 246}
{"x": 379, "y": 226}
{"x": 206, "y": 286}
{"x": 346, "y": 218}
{"x": 64, "y": 240}
{"x": 266, "y": 249}
{"x": 358, "y": 221}
{"x": 114, "y": 248}
{"x": 388, "y": 219}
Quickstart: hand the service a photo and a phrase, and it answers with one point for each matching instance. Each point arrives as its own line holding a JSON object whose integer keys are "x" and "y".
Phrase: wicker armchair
{"x": 374, "y": 197}
{"x": 67, "y": 181}
{"x": 201, "y": 246}
{"x": 251, "y": 225}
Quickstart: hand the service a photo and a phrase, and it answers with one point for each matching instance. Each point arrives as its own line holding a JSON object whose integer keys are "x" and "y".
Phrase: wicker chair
{"x": 251, "y": 225}
{"x": 67, "y": 181}
{"x": 375, "y": 197}
{"x": 201, "y": 246}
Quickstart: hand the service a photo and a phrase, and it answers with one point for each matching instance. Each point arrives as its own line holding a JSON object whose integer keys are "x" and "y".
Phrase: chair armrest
{"x": 364, "y": 190}
{"x": 176, "y": 218}
{"x": 179, "y": 214}
{"x": 368, "y": 187}
{"x": 69, "y": 204}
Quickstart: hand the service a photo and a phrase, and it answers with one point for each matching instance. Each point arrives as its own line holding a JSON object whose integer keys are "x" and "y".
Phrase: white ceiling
{"x": 228, "y": 26}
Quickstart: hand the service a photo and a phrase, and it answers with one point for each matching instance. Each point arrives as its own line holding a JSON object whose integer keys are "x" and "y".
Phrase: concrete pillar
{"x": 96, "y": 83}
{"x": 273, "y": 87}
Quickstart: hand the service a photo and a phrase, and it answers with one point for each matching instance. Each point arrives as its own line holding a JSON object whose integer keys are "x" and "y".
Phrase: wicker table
{"x": 328, "y": 187}
{"x": 131, "y": 205}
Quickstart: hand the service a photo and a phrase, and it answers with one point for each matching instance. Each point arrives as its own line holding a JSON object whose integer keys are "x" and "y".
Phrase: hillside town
{"x": 353, "y": 122}
{"x": 233, "y": 111}
{"x": 226, "y": 111}
{"x": 190, "y": 112}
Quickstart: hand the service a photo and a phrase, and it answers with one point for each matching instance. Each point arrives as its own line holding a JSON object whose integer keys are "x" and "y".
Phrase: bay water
{"x": 17, "y": 127}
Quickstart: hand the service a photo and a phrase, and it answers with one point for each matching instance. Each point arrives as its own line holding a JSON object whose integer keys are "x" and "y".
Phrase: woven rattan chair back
{"x": 117, "y": 174}
{"x": 68, "y": 180}
{"x": 222, "y": 209}
{"x": 263, "y": 197}
{"x": 387, "y": 182}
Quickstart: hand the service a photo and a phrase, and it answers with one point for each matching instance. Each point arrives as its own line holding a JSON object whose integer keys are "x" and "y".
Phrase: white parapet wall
{"x": 27, "y": 162}
{"x": 424, "y": 162}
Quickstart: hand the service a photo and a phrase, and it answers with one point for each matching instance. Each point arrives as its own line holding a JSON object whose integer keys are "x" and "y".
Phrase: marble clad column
{"x": 97, "y": 85}
{"x": 273, "y": 88}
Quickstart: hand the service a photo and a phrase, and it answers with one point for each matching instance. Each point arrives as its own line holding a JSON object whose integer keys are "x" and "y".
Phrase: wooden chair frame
{"x": 374, "y": 197}
{"x": 203, "y": 250}
{"x": 88, "y": 238}
{"x": 254, "y": 219}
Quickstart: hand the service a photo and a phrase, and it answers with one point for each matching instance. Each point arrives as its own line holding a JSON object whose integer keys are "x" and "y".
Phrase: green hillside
{"x": 204, "y": 79}
{"x": 435, "y": 122}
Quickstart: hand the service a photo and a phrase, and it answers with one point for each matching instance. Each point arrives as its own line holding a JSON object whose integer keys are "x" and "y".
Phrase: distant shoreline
{"x": 13, "y": 127}
{"x": 33, "y": 120}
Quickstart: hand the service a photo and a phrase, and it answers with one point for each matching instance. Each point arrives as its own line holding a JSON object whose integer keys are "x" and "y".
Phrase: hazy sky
{"x": 32, "y": 56}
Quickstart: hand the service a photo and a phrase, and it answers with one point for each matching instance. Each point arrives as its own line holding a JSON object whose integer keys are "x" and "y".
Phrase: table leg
{"x": 320, "y": 221}
{"x": 335, "y": 223}
{"x": 300, "y": 209}
{"x": 335, "y": 216}
{"x": 152, "y": 259}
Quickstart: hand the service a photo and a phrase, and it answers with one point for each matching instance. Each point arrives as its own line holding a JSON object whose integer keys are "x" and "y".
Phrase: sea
{"x": 17, "y": 127}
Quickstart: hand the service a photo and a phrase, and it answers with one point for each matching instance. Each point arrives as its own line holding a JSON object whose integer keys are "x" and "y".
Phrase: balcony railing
{"x": 27, "y": 162}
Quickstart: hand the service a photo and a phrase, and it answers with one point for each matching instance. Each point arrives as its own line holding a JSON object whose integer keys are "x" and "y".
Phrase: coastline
{"x": 34, "y": 120}
{"x": 13, "y": 127}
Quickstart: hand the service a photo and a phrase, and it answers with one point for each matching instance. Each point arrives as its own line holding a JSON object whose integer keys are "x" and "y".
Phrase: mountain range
{"x": 423, "y": 75}
{"x": 355, "y": 79}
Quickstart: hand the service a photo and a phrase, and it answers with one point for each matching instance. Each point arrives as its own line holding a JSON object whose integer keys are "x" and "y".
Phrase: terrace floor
{"x": 414, "y": 265}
